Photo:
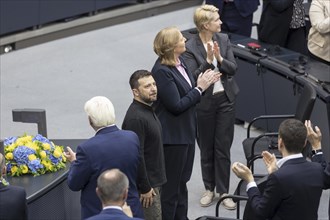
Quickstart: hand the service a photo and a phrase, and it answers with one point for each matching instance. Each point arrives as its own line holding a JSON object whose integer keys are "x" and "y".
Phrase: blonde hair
{"x": 100, "y": 111}
{"x": 203, "y": 15}
{"x": 164, "y": 45}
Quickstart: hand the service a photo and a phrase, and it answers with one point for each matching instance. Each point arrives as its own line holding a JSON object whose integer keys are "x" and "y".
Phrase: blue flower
{"x": 32, "y": 155}
{"x": 9, "y": 141}
{"x": 9, "y": 165}
{"x": 42, "y": 139}
{"x": 21, "y": 154}
{"x": 34, "y": 165}
{"x": 54, "y": 159}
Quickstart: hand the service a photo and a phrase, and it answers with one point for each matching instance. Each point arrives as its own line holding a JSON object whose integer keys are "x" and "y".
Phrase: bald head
{"x": 112, "y": 187}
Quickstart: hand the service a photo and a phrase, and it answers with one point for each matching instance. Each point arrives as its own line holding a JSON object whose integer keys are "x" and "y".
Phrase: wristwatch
{"x": 316, "y": 151}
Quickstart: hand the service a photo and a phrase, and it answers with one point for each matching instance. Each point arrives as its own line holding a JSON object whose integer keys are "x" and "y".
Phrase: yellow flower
{"x": 46, "y": 146}
{"x": 32, "y": 157}
{"x": 9, "y": 156}
{"x": 43, "y": 154}
{"x": 47, "y": 164}
{"x": 23, "y": 140}
{"x": 24, "y": 168}
{"x": 44, "y": 162}
{"x": 14, "y": 169}
{"x": 57, "y": 152}
{"x": 11, "y": 147}
{"x": 33, "y": 150}
{"x": 27, "y": 138}
{"x": 32, "y": 145}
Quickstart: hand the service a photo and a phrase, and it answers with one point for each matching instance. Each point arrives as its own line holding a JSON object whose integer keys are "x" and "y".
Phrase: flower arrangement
{"x": 32, "y": 155}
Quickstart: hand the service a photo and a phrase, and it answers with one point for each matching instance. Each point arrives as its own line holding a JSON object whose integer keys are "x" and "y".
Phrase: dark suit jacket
{"x": 109, "y": 148}
{"x": 275, "y": 21}
{"x": 244, "y": 8}
{"x": 292, "y": 192}
{"x": 175, "y": 106}
{"x": 320, "y": 159}
{"x": 13, "y": 204}
{"x": 115, "y": 214}
{"x": 195, "y": 59}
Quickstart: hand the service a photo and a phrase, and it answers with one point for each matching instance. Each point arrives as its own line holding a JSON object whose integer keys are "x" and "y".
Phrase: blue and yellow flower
{"x": 32, "y": 155}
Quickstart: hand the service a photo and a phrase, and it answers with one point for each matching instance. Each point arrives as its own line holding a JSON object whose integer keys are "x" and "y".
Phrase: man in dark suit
{"x": 109, "y": 148}
{"x": 13, "y": 204}
{"x": 112, "y": 189}
{"x": 314, "y": 137}
{"x": 294, "y": 186}
{"x": 236, "y": 15}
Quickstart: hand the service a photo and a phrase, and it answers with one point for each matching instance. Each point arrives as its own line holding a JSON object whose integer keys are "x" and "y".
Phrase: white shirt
{"x": 113, "y": 207}
{"x": 217, "y": 86}
{"x": 103, "y": 128}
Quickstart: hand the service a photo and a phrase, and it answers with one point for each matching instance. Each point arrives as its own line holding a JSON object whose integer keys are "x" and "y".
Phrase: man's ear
{"x": 135, "y": 92}
{"x": 279, "y": 143}
{"x": 98, "y": 193}
{"x": 125, "y": 194}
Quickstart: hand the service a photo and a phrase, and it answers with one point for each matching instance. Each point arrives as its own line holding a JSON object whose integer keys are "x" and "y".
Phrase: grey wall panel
{"x": 18, "y": 15}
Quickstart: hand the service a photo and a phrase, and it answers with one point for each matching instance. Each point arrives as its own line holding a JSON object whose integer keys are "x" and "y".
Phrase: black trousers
{"x": 297, "y": 40}
{"x": 215, "y": 120}
{"x": 179, "y": 161}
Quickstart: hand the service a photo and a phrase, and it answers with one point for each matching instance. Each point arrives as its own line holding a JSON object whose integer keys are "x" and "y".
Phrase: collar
{"x": 146, "y": 106}
{"x": 113, "y": 207}
{"x": 104, "y": 128}
{"x": 285, "y": 159}
{"x": 180, "y": 64}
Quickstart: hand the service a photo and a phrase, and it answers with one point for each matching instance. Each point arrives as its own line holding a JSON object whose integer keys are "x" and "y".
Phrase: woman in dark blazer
{"x": 178, "y": 93}
{"x": 216, "y": 111}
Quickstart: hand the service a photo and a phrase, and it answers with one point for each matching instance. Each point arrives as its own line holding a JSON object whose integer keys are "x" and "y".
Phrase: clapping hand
{"x": 270, "y": 161}
{"x": 213, "y": 52}
{"x": 314, "y": 137}
{"x": 207, "y": 78}
{"x": 242, "y": 172}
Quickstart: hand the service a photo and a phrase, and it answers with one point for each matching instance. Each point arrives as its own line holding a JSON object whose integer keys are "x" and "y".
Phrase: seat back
{"x": 305, "y": 103}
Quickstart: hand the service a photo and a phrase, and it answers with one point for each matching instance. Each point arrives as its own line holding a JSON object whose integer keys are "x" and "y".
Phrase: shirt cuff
{"x": 250, "y": 185}
{"x": 199, "y": 90}
{"x": 318, "y": 153}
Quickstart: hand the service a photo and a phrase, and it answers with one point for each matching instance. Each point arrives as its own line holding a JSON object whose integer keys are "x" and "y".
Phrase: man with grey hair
{"x": 112, "y": 189}
{"x": 109, "y": 148}
{"x": 12, "y": 198}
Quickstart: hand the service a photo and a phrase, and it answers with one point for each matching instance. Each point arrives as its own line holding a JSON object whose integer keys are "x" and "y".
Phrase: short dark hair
{"x": 112, "y": 185}
{"x": 293, "y": 133}
{"x": 133, "y": 80}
